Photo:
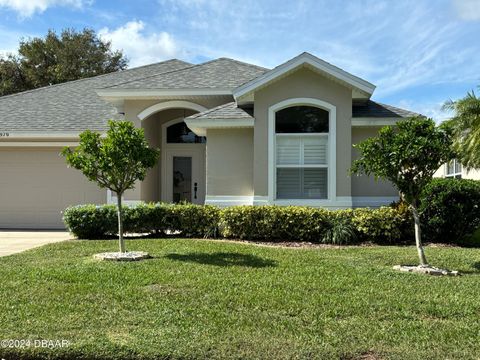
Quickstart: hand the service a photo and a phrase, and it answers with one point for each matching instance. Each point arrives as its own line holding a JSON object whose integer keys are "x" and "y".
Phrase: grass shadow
{"x": 224, "y": 259}
{"x": 476, "y": 265}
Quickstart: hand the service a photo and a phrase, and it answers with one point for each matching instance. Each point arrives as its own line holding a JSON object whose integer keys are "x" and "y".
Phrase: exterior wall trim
{"x": 39, "y": 144}
{"x": 371, "y": 121}
{"x": 332, "y": 152}
{"x": 40, "y": 135}
{"x": 181, "y": 104}
{"x": 373, "y": 201}
{"x": 228, "y": 200}
{"x": 200, "y": 127}
{"x": 112, "y": 199}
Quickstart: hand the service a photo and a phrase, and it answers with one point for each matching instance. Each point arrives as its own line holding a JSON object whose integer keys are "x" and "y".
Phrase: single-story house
{"x": 230, "y": 133}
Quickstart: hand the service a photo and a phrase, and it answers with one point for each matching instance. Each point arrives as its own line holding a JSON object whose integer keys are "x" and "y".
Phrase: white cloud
{"x": 26, "y": 8}
{"x": 10, "y": 38}
{"x": 467, "y": 9}
{"x": 141, "y": 48}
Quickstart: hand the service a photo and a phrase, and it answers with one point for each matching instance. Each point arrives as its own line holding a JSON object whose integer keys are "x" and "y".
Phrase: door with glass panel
{"x": 185, "y": 176}
{"x": 183, "y": 164}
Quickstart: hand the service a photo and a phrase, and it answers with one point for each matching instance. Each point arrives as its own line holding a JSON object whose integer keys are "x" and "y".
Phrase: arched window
{"x": 179, "y": 133}
{"x": 301, "y": 152}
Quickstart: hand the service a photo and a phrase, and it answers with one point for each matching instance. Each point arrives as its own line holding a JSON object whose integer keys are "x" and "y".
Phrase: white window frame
{"x": 454, "y": 174}
{"x": 332, "y": 153}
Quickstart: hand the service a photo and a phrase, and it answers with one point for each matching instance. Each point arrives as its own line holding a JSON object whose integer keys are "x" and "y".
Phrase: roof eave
{"x": 200, "y": 126}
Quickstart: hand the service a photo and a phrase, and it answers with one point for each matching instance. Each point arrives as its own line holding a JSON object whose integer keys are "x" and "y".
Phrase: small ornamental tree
{"x": 407, "y": 155}
{"x": 115, "y": 161}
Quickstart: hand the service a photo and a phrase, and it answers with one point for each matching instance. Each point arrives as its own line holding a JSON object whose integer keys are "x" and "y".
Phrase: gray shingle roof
{"x": 225, "y": 111}
{"x": 222, "y": 73}
{"x": 369, "y": 109}
{"x": 71, "y": 106}
{"x": 375, "y": 109}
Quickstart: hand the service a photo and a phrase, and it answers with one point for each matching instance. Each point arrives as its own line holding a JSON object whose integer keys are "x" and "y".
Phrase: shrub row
{"x": 263, "y": 223}
{"x": 450, "y": 213}
{"x": 188, "y": 220}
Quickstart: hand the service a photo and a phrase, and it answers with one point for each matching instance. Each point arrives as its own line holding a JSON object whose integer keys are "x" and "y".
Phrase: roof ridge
{"x": 244, "y": 63}
{"x": 164, "y": 73}
{"x": 87, "y": 78}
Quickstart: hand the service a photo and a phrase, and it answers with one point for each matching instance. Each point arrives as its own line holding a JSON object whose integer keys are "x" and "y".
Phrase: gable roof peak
{"x": 361, "y": 87}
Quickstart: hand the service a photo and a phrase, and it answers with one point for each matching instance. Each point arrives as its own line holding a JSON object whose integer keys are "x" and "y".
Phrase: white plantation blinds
{"x": 301, "y": 153}
{"x": 301, "y": 162}
{"x": 301, "y": 183}
{"x": 302, "y": 150}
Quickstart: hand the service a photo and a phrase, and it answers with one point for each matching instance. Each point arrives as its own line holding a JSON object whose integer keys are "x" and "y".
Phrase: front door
{"x": 184, "y": 178}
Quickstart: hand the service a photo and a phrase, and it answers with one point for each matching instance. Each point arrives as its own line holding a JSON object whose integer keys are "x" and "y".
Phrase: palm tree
{"x": 466, "y": 129}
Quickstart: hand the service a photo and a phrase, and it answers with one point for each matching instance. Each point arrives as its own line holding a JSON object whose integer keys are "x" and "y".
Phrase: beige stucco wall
{"x": 149, "y": 189}
{"x": 366, "y": 185}
{"x": 230, "y": 162}
{"x": 473, "y": 174}
{"x": 303, "y": 83}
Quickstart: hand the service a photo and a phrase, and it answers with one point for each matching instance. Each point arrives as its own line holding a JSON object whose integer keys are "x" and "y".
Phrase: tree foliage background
{"x": 465, "y": 124}
{"x": 58, "y": 58}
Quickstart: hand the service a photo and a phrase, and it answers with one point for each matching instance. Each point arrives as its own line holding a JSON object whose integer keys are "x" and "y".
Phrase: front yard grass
{"x": 215, "y": 299}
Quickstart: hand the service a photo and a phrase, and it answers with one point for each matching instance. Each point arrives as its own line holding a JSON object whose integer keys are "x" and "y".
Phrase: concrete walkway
{"x": 12, "y": 242}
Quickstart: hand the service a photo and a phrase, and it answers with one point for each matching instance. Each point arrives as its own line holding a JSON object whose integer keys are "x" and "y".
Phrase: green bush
{"x": 450, "y": 210}
{"x": 91, "y": 221}
{"x": 385, "y": 225}
{"x": 194, "y": 220}
{"x": 187, "y": 220}
{"x": 340, "y": 230}
{"x": 274, "y": 223}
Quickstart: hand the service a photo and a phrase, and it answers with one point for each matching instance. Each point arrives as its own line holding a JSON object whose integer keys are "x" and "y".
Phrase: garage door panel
{"x": 36, "y": 186}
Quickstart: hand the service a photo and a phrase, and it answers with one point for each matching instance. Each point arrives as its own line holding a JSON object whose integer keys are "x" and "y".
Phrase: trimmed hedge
{"x": 274, "y": 223}
{"x": 450, "y": 210}
{"x": 187, "y": 220}
{"x": 263, "y": 223}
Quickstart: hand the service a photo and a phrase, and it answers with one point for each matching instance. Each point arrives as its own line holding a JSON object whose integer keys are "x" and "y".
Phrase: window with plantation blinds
{"x": 301, "y": 152}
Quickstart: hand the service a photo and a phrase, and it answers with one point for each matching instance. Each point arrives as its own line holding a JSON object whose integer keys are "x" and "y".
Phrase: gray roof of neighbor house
{"x": 221, "y": 73}
{"x": 71, "y": 106}
{"x": 375, "y": 109}
{"x": 370, "y": 109}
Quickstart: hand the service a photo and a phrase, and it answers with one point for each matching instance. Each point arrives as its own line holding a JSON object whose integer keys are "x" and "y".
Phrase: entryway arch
{"x": 174, "y": 104}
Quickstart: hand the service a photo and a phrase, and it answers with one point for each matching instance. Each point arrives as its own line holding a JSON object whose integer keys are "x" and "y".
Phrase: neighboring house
{"x": 454, "y": 169}
{"x": 230, "y": 133}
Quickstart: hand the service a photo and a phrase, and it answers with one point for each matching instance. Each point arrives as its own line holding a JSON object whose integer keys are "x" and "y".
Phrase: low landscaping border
{"x": 450, "y": 214}
{"x": 385, "y": 225}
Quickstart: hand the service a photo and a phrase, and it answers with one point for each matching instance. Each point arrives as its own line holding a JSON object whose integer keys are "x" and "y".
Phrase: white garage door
{"x": 36, "y": 186}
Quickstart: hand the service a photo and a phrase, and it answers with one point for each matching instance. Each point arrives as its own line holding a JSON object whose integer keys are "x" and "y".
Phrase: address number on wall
{"x": 4, "y": 134}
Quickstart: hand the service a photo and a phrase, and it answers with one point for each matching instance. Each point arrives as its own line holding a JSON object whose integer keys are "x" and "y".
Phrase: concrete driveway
{"x": 12, "y": 242}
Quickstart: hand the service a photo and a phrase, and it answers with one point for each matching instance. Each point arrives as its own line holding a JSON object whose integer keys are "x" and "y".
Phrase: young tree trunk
{"x": 121, "y": 240}
{"x": 418, "y": 236}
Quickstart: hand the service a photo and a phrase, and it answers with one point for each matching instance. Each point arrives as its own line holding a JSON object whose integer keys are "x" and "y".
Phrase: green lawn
{"x": 213, "y": 299}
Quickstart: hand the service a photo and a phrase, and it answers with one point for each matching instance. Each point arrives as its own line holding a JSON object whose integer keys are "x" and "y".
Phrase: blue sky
{"x": 418, "y": 53}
